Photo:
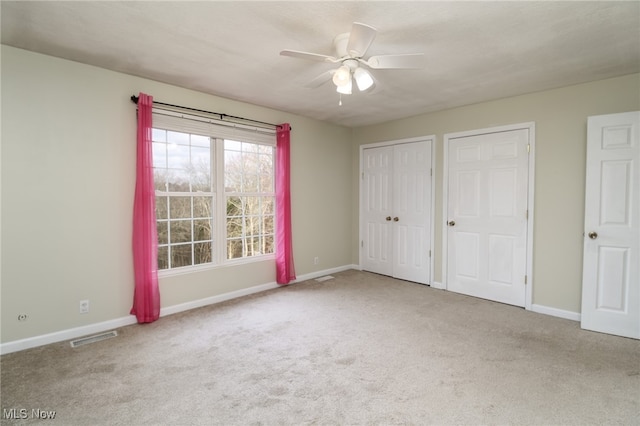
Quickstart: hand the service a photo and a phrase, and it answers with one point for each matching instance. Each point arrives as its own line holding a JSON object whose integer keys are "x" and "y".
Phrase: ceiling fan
{"x": 350, "y": 51}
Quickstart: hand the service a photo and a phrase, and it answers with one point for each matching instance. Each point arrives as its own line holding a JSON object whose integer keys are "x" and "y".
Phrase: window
{"x": 249, "y": 198}
{"x": 214, "y": 195}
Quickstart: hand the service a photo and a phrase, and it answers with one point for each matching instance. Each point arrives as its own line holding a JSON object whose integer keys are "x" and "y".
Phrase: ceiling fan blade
{"x": 360, "y": 39}
{"x": 321, "y": 79}
{"x": 406, "y": 61}
{"x": 307, "y": 55}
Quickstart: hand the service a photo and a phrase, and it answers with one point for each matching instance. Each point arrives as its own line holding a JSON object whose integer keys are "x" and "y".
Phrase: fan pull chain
{"x": 340, "y": 101}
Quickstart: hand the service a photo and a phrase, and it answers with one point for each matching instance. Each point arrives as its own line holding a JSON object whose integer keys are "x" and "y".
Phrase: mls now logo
{"x": 23, "y": 413}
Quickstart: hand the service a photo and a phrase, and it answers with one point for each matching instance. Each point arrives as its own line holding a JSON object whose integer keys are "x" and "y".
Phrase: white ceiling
{"x": 475, "y": 51}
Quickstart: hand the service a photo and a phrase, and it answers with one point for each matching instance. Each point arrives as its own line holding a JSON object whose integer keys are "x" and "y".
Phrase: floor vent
{"x": 325, "y": 278}
{"x": 92, "y": 339}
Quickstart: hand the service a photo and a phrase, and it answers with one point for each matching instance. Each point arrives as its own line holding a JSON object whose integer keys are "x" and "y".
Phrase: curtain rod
{"x": 222, "y": 116}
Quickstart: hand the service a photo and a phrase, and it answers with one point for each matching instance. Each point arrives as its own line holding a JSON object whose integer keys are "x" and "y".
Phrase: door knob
{"x": 452, "y": 223}
{"x": 388, "y": 218}
{"x": 593, "y": 235}
{"x": 395, "y": 219}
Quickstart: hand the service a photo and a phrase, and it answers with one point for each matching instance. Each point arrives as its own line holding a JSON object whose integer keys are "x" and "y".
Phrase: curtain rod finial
{"x": 134, "y": 99}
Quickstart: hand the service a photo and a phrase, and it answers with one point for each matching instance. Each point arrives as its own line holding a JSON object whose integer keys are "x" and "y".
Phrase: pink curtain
{"x": 146, "y": 298}
{"x": 285, "y": 271}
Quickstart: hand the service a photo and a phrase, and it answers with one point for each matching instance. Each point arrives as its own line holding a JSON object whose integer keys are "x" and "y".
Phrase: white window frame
{"x": 218, "y": 132}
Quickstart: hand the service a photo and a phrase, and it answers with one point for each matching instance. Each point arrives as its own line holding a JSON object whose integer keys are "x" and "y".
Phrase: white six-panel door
{"x": 611, "y": 268}
{"x": 486, "y": 215}
{"x": 412, "y": 211}
{"x": 377, "y": 249}
{"x": 396, "y": 210}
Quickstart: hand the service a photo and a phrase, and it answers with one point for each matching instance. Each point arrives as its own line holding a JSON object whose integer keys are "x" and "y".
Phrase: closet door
{"x": 376, "y": 210}
{"x": 396, "y": 210}
{"x": 487, "y": 214}
{"x": 411, "y": 208}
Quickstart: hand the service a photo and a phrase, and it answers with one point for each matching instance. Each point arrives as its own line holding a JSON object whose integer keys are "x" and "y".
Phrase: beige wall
{"x": 68, "y": 175}
{"x": 560, "y": 118}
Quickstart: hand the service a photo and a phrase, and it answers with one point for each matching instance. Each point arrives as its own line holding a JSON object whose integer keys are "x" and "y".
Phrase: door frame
{"x": 530, "y": 126}
{"x": 432, "y": 140}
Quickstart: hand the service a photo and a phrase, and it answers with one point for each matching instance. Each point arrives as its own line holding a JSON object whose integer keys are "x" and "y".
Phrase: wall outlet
{"x": 22, "y": 317}
{"x": 316, "y": 260}
{"x": 84, "y": 306}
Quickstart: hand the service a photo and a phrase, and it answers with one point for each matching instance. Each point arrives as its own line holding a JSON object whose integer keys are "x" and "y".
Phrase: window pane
{"x": 234, "y": 227}
{"x": 159, "y": 154}
{"x": 178, "y": 157}
{"x": 234, "y": 248}
{"x": 233, "y": 182}
{"x": 268, "y": 244}
{"x": 266, "y": 183}
{"x": 265, "y": 149}
{"x": 232, "y": 145}
{"x": 268, "y": 205}
{"x": 234, "y": 206}
{"x": 250, "y": 163}
{"x": 201, "y": 253}
{"x": 179, "y": 207}
{"x": 163, "y": 257}
{"x": 181, "y": 255}
{"x": 250, "y": 183}
{"x": 257, "y": 246}
{"x": 252, "y": 225}
{"x": 232, "y": 159}
{"x": 202, "y": 207}
{"x": 253, "y": 205}
{"x": 163, "y": 232}
{"x": 180, "y": 231}
{"x": 267, "y": 225}
{"x": 202, "y": 229}
{"x": 200, "y": 180}
{"x": 201, "y": 166}
{"x": 249, "y": 147}
{"x": 160, "y": 179}
{"x": 158, "y": 135}
{"x": 200, "y": 156}
{"x": 178, "y": 180}
{"x": 161, "y": 207}
{"x": 178, "y": 138}
{"x": 198, "y": 140}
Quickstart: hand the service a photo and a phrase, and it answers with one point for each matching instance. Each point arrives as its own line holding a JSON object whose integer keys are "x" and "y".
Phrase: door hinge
{"x": 362, "y": 243}
{"x": 429, "y": 253}
{"x": 525, "y": 280}
{"x": 528, "y": 148}
{"x": 431, "y": 172}
{"x": 526, "y": 214}
{"x": 362, "y": 175}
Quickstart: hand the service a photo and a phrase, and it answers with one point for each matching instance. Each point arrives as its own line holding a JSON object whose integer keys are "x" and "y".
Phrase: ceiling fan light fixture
{"x": 363, "y": 79}
{"x": 342, "y": 76}
{"x": 345, "y": 89}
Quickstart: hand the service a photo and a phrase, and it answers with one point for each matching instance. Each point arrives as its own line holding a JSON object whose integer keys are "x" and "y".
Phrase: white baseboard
{"x": 436, "y": 284}
{"x": 317, "y": 274}
{"x": 574, "y": 316}
{"x": 74, "y": 333}
{"x": 61, "y": 336}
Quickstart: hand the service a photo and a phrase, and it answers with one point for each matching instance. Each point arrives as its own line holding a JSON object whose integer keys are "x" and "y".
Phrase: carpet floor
{"x": 360, "y": 349}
